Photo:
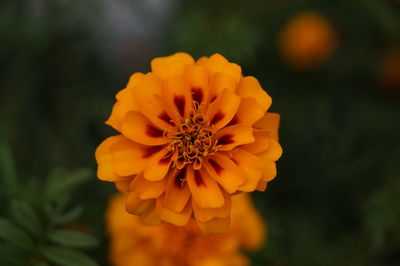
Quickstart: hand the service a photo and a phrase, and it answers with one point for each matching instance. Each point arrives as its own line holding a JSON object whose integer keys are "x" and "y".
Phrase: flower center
{"x": 194, "y": 139}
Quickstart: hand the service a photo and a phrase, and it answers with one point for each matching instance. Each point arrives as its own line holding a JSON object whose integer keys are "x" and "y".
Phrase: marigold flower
{"x": 307, "y": 41}
{"x": 132, "y": 243}
{"x": 192, "y": 134}
{"x": 390, "y": 70}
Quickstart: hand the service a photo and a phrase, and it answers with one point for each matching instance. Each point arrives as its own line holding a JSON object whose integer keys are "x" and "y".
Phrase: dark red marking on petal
{"x": 167, "y": 158}
{"x": 197, "y": 94}
{"x": 154, "y": 132}
{"x": 218, "y": 168}
{"x": 217, "y": 117}
{"x": 233, "y": 160}
{"x": 226, "y": 139}
{"x": 199, "y": 179}
{"x": 179, "y": 102}
{"x": 150, "y": 150}
{"x": 166, "y": 118}
{"x": 234, "y": 121}
{"x": 213, "y": 98}
{"x": 180, "y": 178}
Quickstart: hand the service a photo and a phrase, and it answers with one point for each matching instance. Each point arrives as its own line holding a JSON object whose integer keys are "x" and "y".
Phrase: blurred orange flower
{"x": 307, "y": 41}
{"x": 134, "y": 244}
{"x": 390, "y": 70}
{"x": 192, "y": 134}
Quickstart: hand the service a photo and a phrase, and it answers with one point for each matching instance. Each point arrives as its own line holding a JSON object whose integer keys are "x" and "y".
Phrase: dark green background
{"x": 336, "y": 199}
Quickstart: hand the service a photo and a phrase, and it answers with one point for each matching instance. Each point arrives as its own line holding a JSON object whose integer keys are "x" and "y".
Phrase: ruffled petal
{"x": 129, "y": 157}
{"x": 146, "y": 189}
{"x": 251, "y": 165}
{"x": 232, "y": 136}
{"x": 248, "y": 113}
{"x": 218, "y": 63}
{"x": 149, "y": 86}
{"x": 177, "y": 94}
{"x": 205, "y": 191}
{"x": 104, "y": 158}
{"x": 223, "y": 109}
{"x": 196, "y": 78}
{"x": 274, "y": 151}
{"x": 220, "y": 82}
{"x": 261, "y": 143}
{"x": 250, "y": 87}
{"x": 172, "y": 65}
{"x": 269, "y": 171}
{"x": 139, "y": 129}
{"x": 135, "y": 205}
{"x": 207, "y": 214}
{"x": 177, "y": 192}
{"x": 125, "y": 102}
{"x": 176, "y": 218}
{"x": 159, "y": 112}
{"x": 158, "y": 165}
{"x": 124, "y": 185}
{"x": 270, "y": 123}
{"x": 215, "y": 226}
{"x": 225, "y": 172}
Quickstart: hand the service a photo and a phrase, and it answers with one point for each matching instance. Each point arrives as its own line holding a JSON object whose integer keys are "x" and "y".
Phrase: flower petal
{"x": 150, "y": 218}
{"x": 125, "y": 102}
{"x": 139, "y": 129}
{"x": 274, "y": 151}
{"x": 158, "y": 165}
{"x": 177, "y": 192}
{"x": 205, "y": 191}
{"x": 207, "y": 214}
{"x": 261, "y": 143}
{"x": 269, "y": 171}
{"x": 104, "y": 158}
{"x": 172, "y": 65}
{"x": 123, "y": 185}
{"x": 251, "y": 165}
{"x": 176, "y": 218}
{"x": 261, "y": 186}
{"x": 219, "y": 82}
{"x": 223, "y": 109}
{"x": 135, "y": 205}
{"x": 248, "y": 113}
{"x": 130, "y": 157}
{"x": 232, "y": 136}
{"x": 225, "y": 172}
{"x": 270, "y": 123}
{"x": 150, "y": 85}
{"x": 218, "y": 63}
{"x": 196, "y": 78}
{"x": 177, "y": 94}
{"x": 159, "y": 112}
{"x": 250, "y": 87}
{"x": 215, "y": 226}
{"x": 146, "y": 189}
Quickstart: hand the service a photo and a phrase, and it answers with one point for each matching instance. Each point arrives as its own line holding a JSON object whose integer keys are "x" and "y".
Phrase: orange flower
{"x": 132, "y": 243}
{"x": 307, "y": 41}
{"x": 390, "y": 70}
{"x": 192, "y": 134}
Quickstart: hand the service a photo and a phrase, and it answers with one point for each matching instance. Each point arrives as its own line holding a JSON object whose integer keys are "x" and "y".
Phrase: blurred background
{"x": 331, "y": 67}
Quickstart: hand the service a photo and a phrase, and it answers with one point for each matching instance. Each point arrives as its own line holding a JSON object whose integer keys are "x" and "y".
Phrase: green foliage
{"x": 35, "y": 230}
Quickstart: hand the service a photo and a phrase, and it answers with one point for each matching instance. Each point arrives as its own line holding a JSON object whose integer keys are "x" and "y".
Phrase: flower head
{"x": 307, "y": 41}
{"x": 132, "y": 243}
{"x": 192, "y": 134}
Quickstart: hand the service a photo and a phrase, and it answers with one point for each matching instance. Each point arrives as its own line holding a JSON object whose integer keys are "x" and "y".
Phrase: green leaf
{"x": 69, "y": 216}
{"x": 14, "y": 235}
{"x": 39, "y": 263}
{"x": 72, "y": 239}
{"x": 67, "y": 257}
{"x": 60, "y": 181}
{"x": 26, "y": 216}
{"x": 10, "y": 255}
{"x": 7, "y": 169}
